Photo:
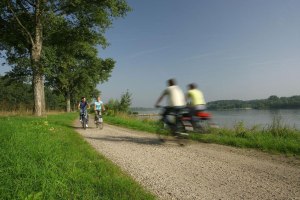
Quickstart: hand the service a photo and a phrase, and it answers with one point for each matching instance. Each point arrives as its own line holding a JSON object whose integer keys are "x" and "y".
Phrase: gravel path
{"x": 196, "y": 170}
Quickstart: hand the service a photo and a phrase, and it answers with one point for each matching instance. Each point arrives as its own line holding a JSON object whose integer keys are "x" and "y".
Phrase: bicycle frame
{"x": 84, "y": 118}
{"x": 99, "y": 119}
{"x": 183, "y": 122}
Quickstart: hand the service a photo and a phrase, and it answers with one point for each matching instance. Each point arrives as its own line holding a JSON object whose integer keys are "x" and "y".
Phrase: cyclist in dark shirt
{"x": 83, "y": 106}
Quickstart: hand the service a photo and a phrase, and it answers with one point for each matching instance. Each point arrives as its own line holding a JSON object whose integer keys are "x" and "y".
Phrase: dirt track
{"x": 196, "y": 170}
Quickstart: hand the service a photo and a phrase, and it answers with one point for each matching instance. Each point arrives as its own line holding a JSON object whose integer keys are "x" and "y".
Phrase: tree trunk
{"x": 38, "y": 79}
{"x": 38, "y": 85}
{"x": 68, "y": 102}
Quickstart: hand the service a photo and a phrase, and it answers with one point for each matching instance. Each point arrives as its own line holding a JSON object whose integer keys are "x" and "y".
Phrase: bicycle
{"x": 172, "y": 124}
{"x": 84, "y": 119}
{"x": 181, "y": 123}
{"x": 99, "y": 119}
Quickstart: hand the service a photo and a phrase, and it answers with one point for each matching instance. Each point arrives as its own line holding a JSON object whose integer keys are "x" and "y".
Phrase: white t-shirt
{"x": 175, "y": 96}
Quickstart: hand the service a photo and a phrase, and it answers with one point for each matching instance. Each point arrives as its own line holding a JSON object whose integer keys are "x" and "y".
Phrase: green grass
{"x": 44, "y": 158}
{"x": 276, "y": 138}
{"x": 132, "y": 122}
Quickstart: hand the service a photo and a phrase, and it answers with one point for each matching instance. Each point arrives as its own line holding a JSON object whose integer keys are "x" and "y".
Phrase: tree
{"x": 123, "y": 105}
{"x": 273, "y": 98}
{"x": 125, "y": 102}
{"x": 112, "y": 106}
{"x": 26, "y": 26}
{"x": 77, "y": 70}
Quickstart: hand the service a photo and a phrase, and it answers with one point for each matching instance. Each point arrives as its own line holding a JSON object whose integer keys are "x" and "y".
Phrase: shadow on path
{"x": 149, "y": 141}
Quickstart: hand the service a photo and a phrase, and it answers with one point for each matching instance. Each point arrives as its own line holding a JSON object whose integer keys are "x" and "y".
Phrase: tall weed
{"x": 278, "y": 129}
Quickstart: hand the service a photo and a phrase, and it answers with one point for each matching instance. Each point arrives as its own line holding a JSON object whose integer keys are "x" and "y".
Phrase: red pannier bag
{"x": 203, "y": 115}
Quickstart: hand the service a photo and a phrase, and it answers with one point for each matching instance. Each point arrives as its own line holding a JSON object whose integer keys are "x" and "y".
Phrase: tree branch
{"x": 20, "y": 23}
{"x": 30, "y": 3}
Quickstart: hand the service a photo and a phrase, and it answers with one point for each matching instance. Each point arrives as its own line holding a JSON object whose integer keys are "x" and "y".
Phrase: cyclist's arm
{"x": 159, "y": 99}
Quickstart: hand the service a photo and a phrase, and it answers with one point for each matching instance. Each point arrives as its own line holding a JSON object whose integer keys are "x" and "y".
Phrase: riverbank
{"x": 276, "y": 138}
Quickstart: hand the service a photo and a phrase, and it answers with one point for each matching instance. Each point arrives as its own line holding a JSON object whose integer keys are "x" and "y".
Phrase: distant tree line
{"x": 16, "y": 95}
{"x": 273, "y": 102}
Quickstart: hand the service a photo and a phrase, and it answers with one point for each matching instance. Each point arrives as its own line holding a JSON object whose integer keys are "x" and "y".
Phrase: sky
{"x": 232, "y": 49}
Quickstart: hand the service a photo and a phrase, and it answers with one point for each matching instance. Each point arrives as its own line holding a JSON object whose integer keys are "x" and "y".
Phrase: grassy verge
{"x": 44, "y": 158}
{"x": 132, "y": 122}
{"x": 275, "y": 138}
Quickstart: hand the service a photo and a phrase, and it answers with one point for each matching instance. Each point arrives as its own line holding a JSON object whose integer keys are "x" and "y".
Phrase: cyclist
{"x": 176, "y": 100}
{"x": 196, "y": 98}
{"x": 98, "y": 107}
{"x": 83, "y": 106}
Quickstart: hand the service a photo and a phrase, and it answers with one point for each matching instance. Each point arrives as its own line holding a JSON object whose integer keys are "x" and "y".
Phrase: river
{"x": 262, "y": 118}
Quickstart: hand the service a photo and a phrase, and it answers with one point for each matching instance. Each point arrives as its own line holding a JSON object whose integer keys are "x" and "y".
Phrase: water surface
{"x": 262, "y": 118}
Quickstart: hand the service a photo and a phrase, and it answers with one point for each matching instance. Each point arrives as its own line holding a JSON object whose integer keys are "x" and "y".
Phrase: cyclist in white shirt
{"x": 98, "y": 107}
{"x": 175, "y": 99}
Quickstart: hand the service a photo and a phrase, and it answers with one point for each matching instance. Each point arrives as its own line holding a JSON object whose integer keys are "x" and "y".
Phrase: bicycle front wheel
{"x": 84, "y": 123}
{"x": 101, "y": 125}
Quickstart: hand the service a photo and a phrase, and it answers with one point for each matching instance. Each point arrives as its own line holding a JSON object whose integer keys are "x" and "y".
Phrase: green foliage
{"x": 43, "y": 158}
{"x": 80, "y": 20}
{"x": 58, "y": 39}
{"x": 125, "y": 102}
{"x": 15, "y": 95}
{"x": 77, "y": 71}
{"x": 273, "y": 102}
{"x": 115, "y": 106}
{"x": 112, "y": 106}
{"x": 240, "y": 129}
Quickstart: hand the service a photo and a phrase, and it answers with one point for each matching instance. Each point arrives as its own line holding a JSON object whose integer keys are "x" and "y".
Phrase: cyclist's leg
{"x": 193, "y": 112}
{"x": 196, "y": 109}
{"x": 87, "y": 116}
{"x": 165, "y": 114}
{"x": 174, "y": 112}
{"x": 96, "y": 116}
{"x": 100, "y": 116}
{"x": 177, "y": 125}
{"x": 80, "y": 114}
